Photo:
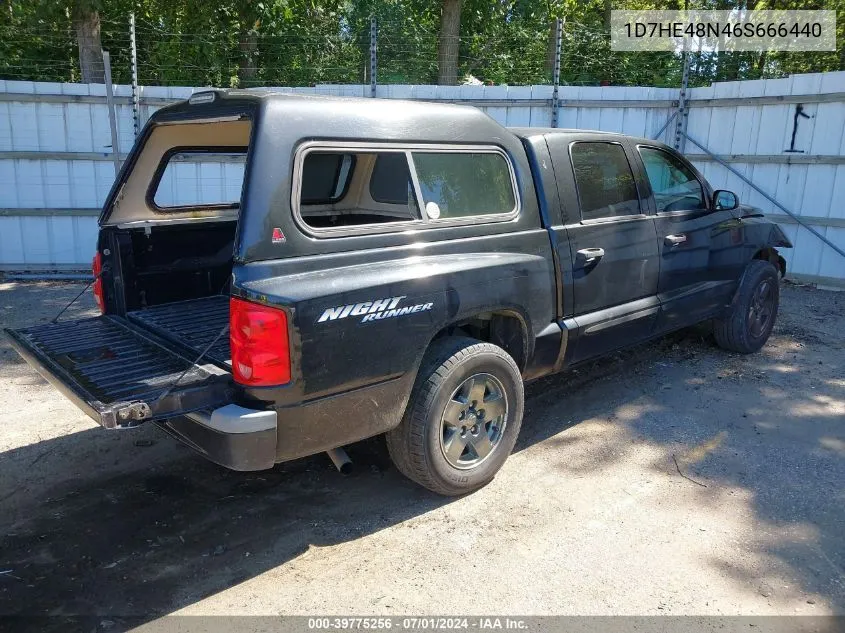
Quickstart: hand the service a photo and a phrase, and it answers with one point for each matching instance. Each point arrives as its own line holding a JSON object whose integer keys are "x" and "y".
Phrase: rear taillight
{"x": 97, "y": 269}
{"x": 258, "y": 336}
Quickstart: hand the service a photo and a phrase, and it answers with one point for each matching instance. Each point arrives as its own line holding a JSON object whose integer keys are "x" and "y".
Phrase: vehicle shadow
{"x": 148, "y": 541}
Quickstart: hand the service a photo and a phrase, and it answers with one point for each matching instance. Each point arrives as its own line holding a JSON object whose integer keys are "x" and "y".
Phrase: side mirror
{"x": 724, "y": 200}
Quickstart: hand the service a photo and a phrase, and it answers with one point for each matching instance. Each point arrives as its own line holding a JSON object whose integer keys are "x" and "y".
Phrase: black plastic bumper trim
{"x": 238, "y": 451}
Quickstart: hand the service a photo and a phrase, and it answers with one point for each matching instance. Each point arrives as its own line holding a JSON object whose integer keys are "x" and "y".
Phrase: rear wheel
{"x": 462, "y": 419}
{"x": 747, "y": 326}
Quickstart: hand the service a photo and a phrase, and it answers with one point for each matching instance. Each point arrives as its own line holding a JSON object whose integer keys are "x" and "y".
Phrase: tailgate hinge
{"x": 130, "y": 412}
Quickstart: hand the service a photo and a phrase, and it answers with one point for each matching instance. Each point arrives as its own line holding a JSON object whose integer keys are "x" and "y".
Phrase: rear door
{"x": 118, "y": 374}
{"x": 612, "y": 244}
{"x": 697, "y": 275}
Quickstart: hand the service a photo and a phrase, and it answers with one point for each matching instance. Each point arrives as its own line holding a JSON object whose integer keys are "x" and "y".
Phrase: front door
{"x": 695, "y": 276}
{"x": 612, "y": 246}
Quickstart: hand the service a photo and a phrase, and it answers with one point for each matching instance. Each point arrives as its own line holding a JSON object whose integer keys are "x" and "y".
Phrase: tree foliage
{"x": 304, "y": 42}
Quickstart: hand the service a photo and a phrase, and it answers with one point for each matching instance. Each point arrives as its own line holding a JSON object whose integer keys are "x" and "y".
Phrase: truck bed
{"x": 192, "y": 324}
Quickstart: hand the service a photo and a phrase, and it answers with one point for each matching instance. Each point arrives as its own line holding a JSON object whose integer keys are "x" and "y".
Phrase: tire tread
{"x": 730, "y": 331}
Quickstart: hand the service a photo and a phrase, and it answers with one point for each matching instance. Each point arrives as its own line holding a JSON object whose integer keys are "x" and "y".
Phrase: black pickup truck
{"x": 282, "y": 275}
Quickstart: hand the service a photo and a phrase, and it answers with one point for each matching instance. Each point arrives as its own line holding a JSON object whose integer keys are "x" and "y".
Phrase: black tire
{"x": 416, "y": 445}
{"x": 741, "y": 329}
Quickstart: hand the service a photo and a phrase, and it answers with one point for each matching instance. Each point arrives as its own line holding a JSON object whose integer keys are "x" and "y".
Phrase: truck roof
{"x": 534, "y": 132}
{"x": 368, "y": 118}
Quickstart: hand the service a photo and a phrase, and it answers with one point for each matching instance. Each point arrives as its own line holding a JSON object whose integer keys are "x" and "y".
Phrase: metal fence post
{"x": 136, "y": 109}
{"x": 683, "y": 113}
{"x": 662, "y": 129}
{"x": 115, "y": 141}
{"x": 373, "y": 47}
{"x": 556, "y": 71}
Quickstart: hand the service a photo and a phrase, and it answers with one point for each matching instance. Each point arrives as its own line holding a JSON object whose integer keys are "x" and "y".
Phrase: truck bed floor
{"x": 193, "y": 323}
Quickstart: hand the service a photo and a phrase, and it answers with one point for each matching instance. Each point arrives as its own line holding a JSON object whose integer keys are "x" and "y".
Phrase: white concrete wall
{"x": 56, "y": 167}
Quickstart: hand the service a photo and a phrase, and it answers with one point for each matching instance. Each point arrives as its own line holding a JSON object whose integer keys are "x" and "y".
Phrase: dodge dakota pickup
{"x": 281, "y": 275}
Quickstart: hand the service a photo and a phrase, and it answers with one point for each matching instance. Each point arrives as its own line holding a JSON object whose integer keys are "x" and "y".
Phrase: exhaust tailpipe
{"x": 341, "y": 460}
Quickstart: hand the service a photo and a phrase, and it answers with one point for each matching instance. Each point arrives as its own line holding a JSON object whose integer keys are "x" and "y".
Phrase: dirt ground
{"x": 673, "y": 478}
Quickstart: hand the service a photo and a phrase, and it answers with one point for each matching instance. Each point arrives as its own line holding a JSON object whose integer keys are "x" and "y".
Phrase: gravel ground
{"x": 673, "y": 478}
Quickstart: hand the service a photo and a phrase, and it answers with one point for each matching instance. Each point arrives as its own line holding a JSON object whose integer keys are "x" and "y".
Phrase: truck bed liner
{"x": 193, "y": 323}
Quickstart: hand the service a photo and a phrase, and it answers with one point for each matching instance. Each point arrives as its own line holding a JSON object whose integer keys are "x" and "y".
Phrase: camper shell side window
{"x": 349, "y": 188}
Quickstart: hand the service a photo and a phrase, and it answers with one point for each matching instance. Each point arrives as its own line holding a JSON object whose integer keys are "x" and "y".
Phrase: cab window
{"x": 328, "y": 177}
{"x": 673, "y": 184}
{"x": 604, "y": 181}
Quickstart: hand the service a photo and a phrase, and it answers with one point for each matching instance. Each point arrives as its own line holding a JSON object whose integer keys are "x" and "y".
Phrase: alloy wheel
{"x": 473, "y": 421}
{"x": 761, "y": 310}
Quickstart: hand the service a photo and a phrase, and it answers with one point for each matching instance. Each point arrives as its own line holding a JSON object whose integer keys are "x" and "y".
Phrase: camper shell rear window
{"x": 192, "y": 170}
{"x": 198, "y": 177}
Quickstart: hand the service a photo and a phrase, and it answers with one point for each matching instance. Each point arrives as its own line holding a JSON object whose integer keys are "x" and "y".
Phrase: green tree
{"x": 303, "y": 42}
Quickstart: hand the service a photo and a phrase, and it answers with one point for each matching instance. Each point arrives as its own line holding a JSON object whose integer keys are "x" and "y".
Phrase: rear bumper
{"x": 250, "y": 439}
{"x": 232, "y": 436}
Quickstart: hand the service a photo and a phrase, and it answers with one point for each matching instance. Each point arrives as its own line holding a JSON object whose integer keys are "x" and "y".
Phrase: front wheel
{"x": 748, "y": 324}
{"x": 462, "y": 419}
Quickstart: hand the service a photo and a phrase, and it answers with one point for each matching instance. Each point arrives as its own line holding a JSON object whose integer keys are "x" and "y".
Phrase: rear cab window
{"x": 604, "y": 181}
{"x": 390, "y": 182}
{"x": 360, "y": 187}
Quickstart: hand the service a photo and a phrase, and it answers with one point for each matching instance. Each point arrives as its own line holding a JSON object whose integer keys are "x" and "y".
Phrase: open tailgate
{"x": 118, "y": 374}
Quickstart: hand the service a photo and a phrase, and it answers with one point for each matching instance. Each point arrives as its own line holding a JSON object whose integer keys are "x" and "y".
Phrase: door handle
{"x": 590, "y": 255}
{"x": 674, "y": 240}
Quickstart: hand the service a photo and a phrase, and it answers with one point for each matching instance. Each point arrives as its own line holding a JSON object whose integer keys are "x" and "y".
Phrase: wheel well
{"x": 505, "y": 329}
{"x": 771, "y": 255}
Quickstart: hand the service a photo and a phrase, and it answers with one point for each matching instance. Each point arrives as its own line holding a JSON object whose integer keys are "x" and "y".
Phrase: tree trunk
{"x": 86, "y": 23}
{"x": 449, "y": 43}
{"x": 248, "y": 46}
{"x": 761, "y": 65}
